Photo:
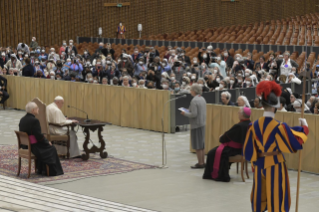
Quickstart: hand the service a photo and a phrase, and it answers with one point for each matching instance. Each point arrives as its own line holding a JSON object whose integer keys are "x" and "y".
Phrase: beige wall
{"x": 127, "y": 107}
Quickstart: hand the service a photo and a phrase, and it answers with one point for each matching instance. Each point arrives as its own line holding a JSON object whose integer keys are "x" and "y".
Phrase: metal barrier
{"x": 251, "y": 47}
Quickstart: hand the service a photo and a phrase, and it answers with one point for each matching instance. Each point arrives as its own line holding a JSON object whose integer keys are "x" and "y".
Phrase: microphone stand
{"x": 164, "y": 150}
{"x": 87, "y": 116}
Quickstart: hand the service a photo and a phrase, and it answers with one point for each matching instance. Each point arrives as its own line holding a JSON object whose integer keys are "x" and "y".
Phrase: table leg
{"x": 86, "y": 155}
{"x": 103, "y": 154}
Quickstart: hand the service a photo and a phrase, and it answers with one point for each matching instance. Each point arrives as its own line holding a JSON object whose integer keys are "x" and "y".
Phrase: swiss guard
{"x": 121, "y": 31}
{"x": 266, "y": 141}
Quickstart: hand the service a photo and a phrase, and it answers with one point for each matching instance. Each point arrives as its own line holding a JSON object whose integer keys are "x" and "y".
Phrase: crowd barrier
{"x": 222, "y": 118}
{"x": 251, "y": 47}
{"x": 127, "y": 107}
{"x": 215, "y": 98}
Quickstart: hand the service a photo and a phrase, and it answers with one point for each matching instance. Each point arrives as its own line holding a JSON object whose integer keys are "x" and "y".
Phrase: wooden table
{"x": 93, "y": 125}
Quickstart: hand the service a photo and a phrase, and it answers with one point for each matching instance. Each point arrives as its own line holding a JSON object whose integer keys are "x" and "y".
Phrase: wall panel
{"x": 53, "y": 21}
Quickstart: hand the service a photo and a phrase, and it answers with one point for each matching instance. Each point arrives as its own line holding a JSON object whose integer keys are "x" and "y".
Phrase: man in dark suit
{"x": 225, "y": 97}
{"x": 28, "y": 70}
{"x": 3, "y": 90}
{"x": 70, "y": 48}
{"x": 229, "y": 60}
{"x": 44, "y": 151}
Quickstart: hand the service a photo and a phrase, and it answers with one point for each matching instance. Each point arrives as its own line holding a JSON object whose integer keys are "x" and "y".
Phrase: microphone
{"x": 87, "y": 116}
{"x": 164, "y": 156}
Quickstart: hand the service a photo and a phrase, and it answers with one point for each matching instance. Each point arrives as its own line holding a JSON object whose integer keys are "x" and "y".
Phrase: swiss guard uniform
{"x": 121, "y": 30}
{"x": 265, "y": 142}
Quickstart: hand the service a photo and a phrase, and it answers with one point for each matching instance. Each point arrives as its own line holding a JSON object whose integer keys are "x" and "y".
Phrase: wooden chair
{"x": 23, "y": 139}
{"x": 62, "y": 140}
{"x": 240, "y": 159}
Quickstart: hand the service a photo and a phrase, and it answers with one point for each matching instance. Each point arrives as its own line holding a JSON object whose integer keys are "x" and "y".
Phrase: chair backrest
{"x": 23, "y": 139}
{"x": 42, "y": 116}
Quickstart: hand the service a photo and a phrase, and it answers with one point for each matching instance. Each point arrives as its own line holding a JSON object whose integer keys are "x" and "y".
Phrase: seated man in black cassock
{"x": 3, "y": 90}
{"x": 217, "y": 164}
{"x": 44, "y": 151}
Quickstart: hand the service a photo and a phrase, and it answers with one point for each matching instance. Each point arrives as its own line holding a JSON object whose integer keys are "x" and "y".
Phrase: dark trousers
{"x": 4, "y": 97}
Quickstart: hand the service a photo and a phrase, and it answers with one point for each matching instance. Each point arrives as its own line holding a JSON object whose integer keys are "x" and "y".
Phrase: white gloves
{"x": 303, "y": 122}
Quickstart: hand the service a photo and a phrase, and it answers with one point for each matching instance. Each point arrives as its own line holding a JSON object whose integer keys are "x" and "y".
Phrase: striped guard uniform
{"x": 271, "y": 189}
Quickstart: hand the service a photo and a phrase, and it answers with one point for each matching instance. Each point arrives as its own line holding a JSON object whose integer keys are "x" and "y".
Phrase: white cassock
{"x": 55, "y": 116}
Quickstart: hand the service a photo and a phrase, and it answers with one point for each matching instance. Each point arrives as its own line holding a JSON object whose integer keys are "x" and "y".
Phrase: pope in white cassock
{"x": 55, "y": 116}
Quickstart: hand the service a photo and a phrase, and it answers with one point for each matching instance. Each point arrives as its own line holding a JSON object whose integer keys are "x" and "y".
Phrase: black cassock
{"x": 217, "y": 164}
{"x": 45, "y": 153}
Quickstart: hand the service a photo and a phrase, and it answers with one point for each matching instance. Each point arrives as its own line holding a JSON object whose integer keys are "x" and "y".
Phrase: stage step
{"x": 22, "y": 196}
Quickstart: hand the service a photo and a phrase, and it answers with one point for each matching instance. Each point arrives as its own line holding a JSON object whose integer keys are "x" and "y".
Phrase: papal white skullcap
{"x": 58, "y": 98}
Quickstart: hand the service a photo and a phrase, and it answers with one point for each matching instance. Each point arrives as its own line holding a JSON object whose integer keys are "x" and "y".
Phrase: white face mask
{"x": 183, "y": 83}
{"x": 71, "y": 44}
{"x": 221, "y": 86}
{"x": 217, "y": 58}
{"x": 215, "y": 71}
{"x": 205, "y": 56}
{"x": 260, "y": 71}
{"x": 120, "y": 24}
{"x": 193, "y": 77}
{"x": 64, "y": 44}
{"x": 3, "y": 54}
{"x": 195, "y": 61}
{"x": 85, "y": 53}
{"x": 135, "y": 52}
{"x": 58, "y": 78}
{"x": 218, "y": 80}
{"x": 141, "y": 62}
{"x": 43, "y": 51}
{"x": 134, "y": 84}
{"x": 52, "y": 77}
{"x": 119, "y": 61}
{"x": 248, "y": 83}
{"x": 98, "y": 63}
{"x": 19, "y": 52}
{"x": 239, "y": 81}
{"x": 238, "y": 58}
{"x": 165, "y": 86}
{"x": 267, "y": 79}
{"x": 172, "y": 78}
{"x": 247, "y": 74}
{"x": 203, "y": 67}
{"x": 225, "y": 54}
{"x": 231, "y": 81}
{"x": 201, "y": 85}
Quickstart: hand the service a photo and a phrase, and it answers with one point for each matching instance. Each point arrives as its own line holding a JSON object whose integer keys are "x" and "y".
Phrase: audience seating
{"x": 289, "y": 31}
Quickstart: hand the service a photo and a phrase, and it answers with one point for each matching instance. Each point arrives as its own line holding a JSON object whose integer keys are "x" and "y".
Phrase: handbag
{"x": 32, "y": 139}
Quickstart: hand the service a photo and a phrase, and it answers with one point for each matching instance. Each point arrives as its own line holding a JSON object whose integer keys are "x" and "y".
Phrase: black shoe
{"x": 197, "y": 166}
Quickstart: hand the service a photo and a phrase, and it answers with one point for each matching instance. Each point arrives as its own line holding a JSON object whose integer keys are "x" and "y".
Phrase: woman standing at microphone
{"x": 197, "y": 119}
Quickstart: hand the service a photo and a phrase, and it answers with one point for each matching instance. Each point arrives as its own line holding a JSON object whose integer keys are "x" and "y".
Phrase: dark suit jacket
{"x": 229, "y": 61}
{"x": 265, "y": 66}
{"x": 28, "y": 71}
{"x": 31, "y": 125}
{"x": 73, "y": 48}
